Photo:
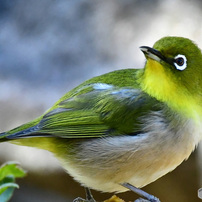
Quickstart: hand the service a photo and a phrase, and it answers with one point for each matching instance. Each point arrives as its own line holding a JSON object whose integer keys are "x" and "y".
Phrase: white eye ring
{"x": 180, "y": 62}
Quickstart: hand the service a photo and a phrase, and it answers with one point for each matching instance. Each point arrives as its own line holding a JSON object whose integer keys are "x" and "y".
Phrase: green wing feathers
{"x": 93, "y": 109}
{"x": 94, "y": 114}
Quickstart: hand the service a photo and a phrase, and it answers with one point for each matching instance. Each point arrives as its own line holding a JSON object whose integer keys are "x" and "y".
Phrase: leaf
{"x": 7, "y": 186}
{"x": 7, "y": 194}
{"x": 11, "y": 169}
{"x": 8, "y": 172}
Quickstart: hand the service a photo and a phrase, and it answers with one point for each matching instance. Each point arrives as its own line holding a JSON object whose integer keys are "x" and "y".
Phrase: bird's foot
{"x": 147, "y": 197}
{"x": 79, "y": 199}
{"x": 89, "y": 197}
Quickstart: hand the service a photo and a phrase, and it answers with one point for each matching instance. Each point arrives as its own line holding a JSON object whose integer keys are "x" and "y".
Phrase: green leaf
{"x": 11, "y": 169}
{"x": 7, "y": 186}
{"x": 8, "y": 172}
{"x": 7, "y": 194}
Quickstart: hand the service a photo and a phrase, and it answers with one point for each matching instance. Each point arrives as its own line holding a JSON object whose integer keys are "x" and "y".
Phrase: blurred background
{"x": 48, "y": 47}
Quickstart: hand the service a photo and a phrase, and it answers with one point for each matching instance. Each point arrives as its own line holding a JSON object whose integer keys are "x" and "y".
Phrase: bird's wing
{"x": 101, "y": 106}
{"x": 97, "y": 110}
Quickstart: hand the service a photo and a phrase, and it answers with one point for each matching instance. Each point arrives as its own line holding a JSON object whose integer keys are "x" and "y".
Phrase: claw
{"x": 89, "y": 197}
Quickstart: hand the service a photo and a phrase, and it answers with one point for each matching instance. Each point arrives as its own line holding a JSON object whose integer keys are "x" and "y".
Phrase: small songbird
{"x": 126, "y": 127}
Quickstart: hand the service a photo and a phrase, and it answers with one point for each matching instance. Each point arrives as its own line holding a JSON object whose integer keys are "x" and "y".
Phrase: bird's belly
{"x": 110, "y": 180}
{"x": 103, "y": 164}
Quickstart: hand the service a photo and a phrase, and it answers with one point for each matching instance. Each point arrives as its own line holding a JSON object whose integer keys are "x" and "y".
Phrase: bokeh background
{"x": 48, "y": 47}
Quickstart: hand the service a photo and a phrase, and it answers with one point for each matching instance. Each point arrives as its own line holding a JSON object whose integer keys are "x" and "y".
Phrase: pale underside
{"x": 104, "y": 163}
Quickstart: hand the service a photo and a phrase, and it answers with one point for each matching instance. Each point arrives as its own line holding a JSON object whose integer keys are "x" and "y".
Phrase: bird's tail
{"x": 18, "y": 134}
{"x": 27, "y": 130}
{"x": 3, "y": 137}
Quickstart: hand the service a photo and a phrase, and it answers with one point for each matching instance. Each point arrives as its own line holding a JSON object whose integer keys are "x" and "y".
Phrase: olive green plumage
{"x": 94, "y": 110}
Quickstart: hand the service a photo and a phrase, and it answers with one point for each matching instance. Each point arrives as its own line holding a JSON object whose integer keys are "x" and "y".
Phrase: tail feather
{"x": 26, "y": 133}
{"x": 2, "y": 137}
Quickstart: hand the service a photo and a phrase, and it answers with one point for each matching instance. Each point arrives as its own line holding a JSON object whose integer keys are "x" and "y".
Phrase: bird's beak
{"x": 152, "y": 53}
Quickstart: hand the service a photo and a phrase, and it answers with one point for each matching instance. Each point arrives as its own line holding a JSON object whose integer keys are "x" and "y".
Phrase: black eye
{"x": 179, "y": 61}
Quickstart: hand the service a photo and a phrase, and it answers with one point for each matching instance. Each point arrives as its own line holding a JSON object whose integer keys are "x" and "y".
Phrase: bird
{"x": 127, "y": 127}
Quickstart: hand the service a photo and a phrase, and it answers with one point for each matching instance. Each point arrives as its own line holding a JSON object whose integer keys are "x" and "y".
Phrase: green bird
{"x": 126, "y": 127}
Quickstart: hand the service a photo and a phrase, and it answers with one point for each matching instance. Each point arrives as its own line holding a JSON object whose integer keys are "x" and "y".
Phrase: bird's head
{"x": 173, "y": 73}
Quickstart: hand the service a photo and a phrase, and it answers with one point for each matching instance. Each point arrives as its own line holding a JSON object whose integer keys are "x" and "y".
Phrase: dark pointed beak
{"x": 152, "y": 53}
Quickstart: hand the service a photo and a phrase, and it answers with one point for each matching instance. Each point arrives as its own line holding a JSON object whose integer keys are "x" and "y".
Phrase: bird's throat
{"x": 157, "y": 83}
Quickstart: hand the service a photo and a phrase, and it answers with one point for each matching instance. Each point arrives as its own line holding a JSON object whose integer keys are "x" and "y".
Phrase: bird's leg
{"x": 147, "y": 197}
{"x": 89, "y": 197}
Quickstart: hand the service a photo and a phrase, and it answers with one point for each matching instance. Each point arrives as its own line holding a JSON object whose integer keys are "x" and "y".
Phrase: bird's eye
{"x": 180, "y": 62}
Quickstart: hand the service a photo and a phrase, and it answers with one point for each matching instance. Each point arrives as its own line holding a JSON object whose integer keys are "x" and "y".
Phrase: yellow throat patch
{"x": 158, "y": 83}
